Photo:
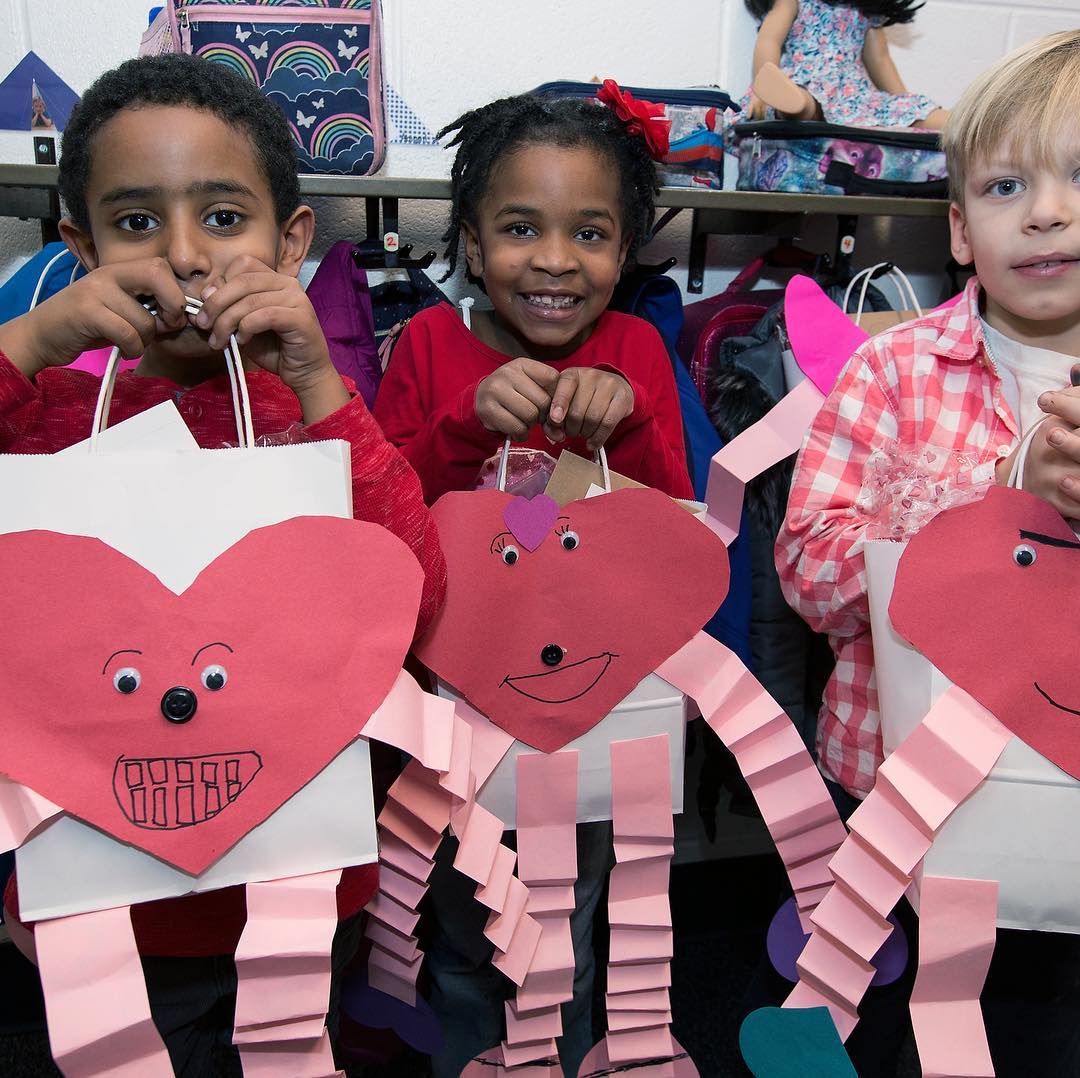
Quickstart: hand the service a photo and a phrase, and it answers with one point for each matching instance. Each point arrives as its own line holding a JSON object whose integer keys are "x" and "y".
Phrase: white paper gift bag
{"x": 149, "y": 492}
{"x": 1019, "y": 825}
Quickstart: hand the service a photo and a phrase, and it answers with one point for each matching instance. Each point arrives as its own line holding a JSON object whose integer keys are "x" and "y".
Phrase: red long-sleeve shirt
{"x": 56, "y": 410}
{"x": 427, "y": 402}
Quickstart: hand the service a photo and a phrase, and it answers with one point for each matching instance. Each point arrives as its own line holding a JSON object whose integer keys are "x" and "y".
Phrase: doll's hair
{"x": 487, "y": 136}
{"x": 1028, "y": 101}
{"x": 187, "y": 81}
{"x": 893, "y": 11}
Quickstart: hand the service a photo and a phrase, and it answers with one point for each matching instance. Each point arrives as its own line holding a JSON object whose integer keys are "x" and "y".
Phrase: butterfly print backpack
{"x": 320, "y": 60}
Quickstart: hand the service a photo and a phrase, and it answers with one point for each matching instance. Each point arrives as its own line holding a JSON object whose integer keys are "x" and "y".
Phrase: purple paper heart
{"x": 530, "y": 520}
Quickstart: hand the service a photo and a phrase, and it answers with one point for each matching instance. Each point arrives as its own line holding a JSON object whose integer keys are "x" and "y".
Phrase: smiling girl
{"x": 551, "y": 201}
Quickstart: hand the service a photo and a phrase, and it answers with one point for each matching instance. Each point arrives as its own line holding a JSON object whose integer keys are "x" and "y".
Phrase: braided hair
{"x": 893, "y": 11}
{"x": 488, "y": 135}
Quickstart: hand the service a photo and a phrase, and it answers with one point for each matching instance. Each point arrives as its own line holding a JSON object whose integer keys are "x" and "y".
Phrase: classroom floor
{"x": 721, "y": 908}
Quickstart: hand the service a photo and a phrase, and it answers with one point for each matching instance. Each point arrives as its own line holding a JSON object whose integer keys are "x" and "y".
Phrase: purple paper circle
{"x": 786, "y": 939}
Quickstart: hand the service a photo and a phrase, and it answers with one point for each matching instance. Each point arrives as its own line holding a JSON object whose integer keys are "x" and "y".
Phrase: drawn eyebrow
{"x": 215, "y": 644}
{"x": 1049, "y": 540}
{"x": 122, "y": 651}
{"x": 491, "y": 548}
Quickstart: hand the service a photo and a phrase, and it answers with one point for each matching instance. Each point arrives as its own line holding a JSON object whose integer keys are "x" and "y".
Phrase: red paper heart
{"x": 310, "y": 619}
{"x": 1000, "y": 629}
{"x": 619, "y": 584}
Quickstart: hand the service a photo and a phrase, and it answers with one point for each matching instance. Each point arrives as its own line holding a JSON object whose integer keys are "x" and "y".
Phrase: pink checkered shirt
{"x": 927, "y": 383}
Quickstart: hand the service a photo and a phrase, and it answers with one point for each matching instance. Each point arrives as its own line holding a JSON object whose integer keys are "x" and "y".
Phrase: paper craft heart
{"x": 546, "y": 643}
{"x": 822, "y": 337}
{"x": 268, "y": 665}
{"x": 984, "y": 592}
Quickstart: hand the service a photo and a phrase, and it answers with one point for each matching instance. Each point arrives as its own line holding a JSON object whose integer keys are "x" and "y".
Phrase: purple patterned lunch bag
{"x": 320, "y": 60}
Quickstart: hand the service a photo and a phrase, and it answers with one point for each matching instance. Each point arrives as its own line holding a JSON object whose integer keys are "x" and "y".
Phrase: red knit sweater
{"x": 55, "y": 411}
{"x": 427, "y": 402}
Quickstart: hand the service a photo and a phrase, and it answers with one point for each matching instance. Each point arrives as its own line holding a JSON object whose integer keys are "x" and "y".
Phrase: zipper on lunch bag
{"x": 186, "y": 15}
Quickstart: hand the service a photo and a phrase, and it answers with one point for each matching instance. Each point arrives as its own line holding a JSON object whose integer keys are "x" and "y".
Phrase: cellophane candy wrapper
{"x": 527, "y": 472}
{"x": 904, "y": 488}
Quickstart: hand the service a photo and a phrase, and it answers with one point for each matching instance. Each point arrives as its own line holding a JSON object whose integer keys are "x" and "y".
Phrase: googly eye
{"x": 214, "y": 677}
{"x": 1024, "y": 555}
{"x": 510, "y": 554}
{"x": 569, "y": 540}
{"x": 126, "y": 680}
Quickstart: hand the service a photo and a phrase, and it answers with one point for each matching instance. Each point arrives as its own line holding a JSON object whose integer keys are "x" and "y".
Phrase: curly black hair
{"x": 178, "y": 79}
{"x": 894, "y": 11}
{"x": 487, "y": 135}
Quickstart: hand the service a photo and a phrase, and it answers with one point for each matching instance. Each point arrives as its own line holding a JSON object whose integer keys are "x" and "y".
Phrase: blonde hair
{"x": 1026, "y": 99}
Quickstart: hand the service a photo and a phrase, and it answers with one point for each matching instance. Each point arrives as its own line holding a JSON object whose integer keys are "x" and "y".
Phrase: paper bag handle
{"x": 504, "y": 456}
{"x": 245, "y": 433}
{"x": 903, "y": 287}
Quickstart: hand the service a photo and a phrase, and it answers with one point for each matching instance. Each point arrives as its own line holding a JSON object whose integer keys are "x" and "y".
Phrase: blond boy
{"x": 984, "y": 383}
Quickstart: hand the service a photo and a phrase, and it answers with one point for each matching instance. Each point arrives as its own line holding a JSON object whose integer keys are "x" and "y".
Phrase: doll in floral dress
{"x": 829, "y": 60}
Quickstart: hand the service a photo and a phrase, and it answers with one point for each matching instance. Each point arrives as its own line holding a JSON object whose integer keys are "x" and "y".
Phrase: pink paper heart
{"x": 531, "y": 519}
{"x": 822, "y": 337}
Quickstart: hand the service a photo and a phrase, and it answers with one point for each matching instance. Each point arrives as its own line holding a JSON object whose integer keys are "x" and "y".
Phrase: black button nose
{"x": 179, "y": 704}
{"x": 552, "y": 655}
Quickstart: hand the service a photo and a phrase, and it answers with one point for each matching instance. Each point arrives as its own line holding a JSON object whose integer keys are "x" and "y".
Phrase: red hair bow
{"x": 641, "y": 117}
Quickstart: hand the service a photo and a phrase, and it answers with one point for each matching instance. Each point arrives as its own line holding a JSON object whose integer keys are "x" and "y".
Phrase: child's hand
{"x": 97, "y": 311}
{"x": 276, "y": 328}
{"x": 1052, "y": 469}
{"x": 516, "y": 397}
{"x": 588, "y": 403}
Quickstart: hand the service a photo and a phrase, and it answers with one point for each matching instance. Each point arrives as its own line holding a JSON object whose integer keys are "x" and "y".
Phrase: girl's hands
{"x": 581, "y": 402}
{"x": 97, "y": 311}
{"x": 276, "y": 328}
{"x": 588, "y": 403}
{"x": 516, "y": 397}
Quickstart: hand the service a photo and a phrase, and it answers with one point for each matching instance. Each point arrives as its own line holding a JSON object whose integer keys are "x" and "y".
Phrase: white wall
{"x": 446, "y": 57}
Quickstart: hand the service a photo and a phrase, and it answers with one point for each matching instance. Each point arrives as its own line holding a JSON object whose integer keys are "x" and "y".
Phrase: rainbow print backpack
{"x": 320, "y": 60}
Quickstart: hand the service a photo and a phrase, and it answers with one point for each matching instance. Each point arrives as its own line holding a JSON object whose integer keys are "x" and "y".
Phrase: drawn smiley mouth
{"x": 166, "y": 793}
{"x": 1050, "y": 700}
{"x": 563, "y": 684}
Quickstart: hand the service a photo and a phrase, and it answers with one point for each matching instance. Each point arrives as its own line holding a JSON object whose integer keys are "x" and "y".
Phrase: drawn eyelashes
{"x": 128, "y": 679}
{"x": 568, "y": 540}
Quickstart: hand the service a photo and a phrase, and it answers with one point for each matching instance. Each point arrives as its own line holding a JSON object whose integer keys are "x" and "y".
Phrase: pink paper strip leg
{"x": 283, "y": 976}
{"x": 919, "y": 785}
{"x": 419, "y": 807}
{"x": 95, "y": 998}
{"x": 957, "y": 931}
{"x": 638, "y": 1004}
{"x": 786, "y": 784}
{"x": 547, "y": 788}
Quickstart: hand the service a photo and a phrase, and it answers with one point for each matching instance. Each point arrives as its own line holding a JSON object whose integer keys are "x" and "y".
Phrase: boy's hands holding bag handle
{"x": 1052, "y": 467}
{"x": 276, "y": 329}
{"x": 97, "y": 311}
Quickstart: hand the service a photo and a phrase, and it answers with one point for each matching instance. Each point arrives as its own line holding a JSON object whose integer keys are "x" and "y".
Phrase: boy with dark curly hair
{"x": 179, "y": 179}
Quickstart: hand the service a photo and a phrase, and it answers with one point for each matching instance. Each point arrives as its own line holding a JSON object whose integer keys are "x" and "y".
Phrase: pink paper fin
{"x": 931, "y": 772}
{"x": 21, "y": 811}
{"x": 95, "y": 998}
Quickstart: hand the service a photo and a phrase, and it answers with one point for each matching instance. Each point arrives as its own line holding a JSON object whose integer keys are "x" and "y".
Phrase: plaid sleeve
{"x": 819, "y": 549}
